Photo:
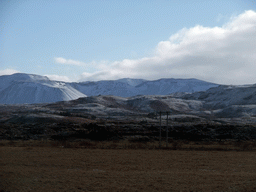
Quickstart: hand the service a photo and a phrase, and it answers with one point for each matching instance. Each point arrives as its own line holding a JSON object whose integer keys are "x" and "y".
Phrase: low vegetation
{"x": 135, "y": 143}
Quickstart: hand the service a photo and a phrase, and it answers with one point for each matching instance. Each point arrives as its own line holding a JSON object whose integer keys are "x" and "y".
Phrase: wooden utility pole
{"x": 160, "y": 130}
{"x": 167, "y": 130}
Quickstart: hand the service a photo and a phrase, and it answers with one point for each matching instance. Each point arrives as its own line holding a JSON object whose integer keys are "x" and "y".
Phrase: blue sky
{"x": 96, "y": 40}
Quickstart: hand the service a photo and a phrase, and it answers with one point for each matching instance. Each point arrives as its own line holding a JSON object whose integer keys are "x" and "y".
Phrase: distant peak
{"x": 132, "y": 82}
{"x": 27, "y": 77}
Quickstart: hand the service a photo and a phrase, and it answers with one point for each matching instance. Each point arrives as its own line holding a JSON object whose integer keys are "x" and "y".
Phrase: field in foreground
{"x": 77, "y": 169}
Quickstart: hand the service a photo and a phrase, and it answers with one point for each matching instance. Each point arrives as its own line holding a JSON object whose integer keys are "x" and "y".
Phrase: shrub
{"x": 136, "y": 146}
{"x": 87, "y": 144}
{"x": 140, "y": 139}
{"x": 176, "y": 145}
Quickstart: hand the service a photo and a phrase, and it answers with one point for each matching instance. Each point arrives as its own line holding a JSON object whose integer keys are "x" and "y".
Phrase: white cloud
{"x": 58, "y": 78}
{"x": 64, "y": 61}
{"x": 8, "y": 72}
{"x": 220, "y": 54}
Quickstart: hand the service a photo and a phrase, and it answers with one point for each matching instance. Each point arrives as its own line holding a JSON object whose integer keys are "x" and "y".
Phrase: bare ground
{"x": 78, "y": 169}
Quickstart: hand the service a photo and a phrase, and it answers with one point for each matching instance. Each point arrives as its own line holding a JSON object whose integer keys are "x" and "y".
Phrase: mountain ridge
{"x": 123, "y": 88}
{"x": 23, "y": 88}
{"x": 29, "y": 88}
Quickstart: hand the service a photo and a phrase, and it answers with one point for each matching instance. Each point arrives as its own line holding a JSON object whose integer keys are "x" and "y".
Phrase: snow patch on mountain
{"x": 6, "y": 80}
{"x": 131, "y": 87}
{"x": 117, "y": 88}
{"x": 25, "y": 88}
{"x": 227, "y": 100}
{"x": 223, "y": 96}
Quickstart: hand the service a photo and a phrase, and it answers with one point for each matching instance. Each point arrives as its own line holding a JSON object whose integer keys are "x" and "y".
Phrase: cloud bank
{"x": 61, "y": 60}
{"x": 225, "y": 54}
{"x": 8, "y": 72}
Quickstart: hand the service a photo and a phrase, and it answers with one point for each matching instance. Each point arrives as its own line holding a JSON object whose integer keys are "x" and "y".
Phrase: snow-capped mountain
{"x": 117, "y": 88}
{"x": 6, "y": 80}
{"x": 132, "y": 87}
{"x": 25, "y": 88}
{"x": 228, "y": 101}
{"x": 224, "y": 95}
{"x": 168, "y": 86}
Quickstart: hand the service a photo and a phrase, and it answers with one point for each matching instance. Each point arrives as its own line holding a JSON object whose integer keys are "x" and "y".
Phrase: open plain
{"x": 56, "y": 168}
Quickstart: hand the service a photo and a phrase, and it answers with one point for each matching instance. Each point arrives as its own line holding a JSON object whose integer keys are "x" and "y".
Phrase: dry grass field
{"x": 56, "y": 168}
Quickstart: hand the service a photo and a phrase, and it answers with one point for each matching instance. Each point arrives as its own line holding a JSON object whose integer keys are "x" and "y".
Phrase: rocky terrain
{"x": 114, "y": 118}
{"x": 228, "y": 101}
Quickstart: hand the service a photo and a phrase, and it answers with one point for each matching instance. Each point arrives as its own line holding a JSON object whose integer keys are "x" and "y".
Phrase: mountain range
{"x": 23, "y": 88}
{"x": 129, "y": 96}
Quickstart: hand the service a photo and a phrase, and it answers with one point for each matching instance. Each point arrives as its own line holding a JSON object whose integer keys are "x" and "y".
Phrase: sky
{"x": 87, "y": 40}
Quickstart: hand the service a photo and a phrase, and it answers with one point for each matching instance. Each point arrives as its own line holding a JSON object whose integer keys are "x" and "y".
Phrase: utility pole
{"x": 160, "y": 130}
{"x": 167, "y": 130}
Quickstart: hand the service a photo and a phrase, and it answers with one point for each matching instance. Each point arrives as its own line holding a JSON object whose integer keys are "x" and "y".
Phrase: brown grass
{"x": 127, "y": 144}
{"x": 56, "y": 168}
